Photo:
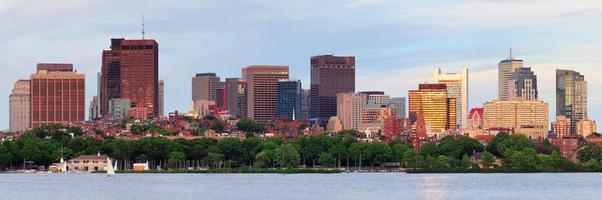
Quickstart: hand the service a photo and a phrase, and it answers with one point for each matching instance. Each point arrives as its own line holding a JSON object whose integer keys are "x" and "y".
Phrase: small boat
{"x": 110, "y": 170}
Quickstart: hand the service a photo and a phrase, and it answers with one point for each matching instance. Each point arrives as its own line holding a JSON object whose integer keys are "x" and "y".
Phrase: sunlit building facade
{"x": 439, "y": 111}
{"x": 528, "y": 117}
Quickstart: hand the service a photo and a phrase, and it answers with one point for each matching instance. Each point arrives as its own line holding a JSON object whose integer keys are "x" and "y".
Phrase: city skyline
{"x": 400, "y": 64}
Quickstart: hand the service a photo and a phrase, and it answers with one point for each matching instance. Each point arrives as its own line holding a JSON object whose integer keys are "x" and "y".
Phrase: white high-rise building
{"x": 457, "y": 87}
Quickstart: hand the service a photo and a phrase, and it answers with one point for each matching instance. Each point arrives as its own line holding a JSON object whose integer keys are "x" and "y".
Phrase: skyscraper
{"x": 289, "y": 99}
{"x": 204, "y": 86}
{"x": 439, "y": 111}
{"x": 20, "y": 104}
{"x": 130, "y": 70}
{"x": 161, "y": 98}
{"x": 330, "y": 75}
{"x": 262, "y": 90}
{"x": 457, "y": 87}
{"x": 571, "y": 96}
{"x": 233, "y": 92}
{"x": 57, "y": 95}
{"x": 505, "y": 70}
{"x": 522, "y": 84}
{"x": 305, "y": 104}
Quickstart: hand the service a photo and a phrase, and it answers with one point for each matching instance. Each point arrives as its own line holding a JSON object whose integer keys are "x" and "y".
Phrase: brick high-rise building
{"x": 20, "y": 104}
{"x": 262, "y": 90}
{"x": 130, "y": 70}
{"x": 330, "y": 75}
{"x": 439, "y": 111}
{"x": 561, "y": 127}
{"x": 57, "y": 95}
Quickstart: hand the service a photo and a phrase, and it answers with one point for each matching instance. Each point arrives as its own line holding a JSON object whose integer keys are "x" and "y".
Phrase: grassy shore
{"x": 240, "y": 171}
{"x": 492, "y": 170}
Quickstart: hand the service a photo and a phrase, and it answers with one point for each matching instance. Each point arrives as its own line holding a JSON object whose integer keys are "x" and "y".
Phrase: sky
{"x": 397, "y": 43}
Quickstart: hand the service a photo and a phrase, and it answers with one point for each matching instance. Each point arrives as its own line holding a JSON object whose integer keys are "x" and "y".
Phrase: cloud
{"x": 397, "y": 43}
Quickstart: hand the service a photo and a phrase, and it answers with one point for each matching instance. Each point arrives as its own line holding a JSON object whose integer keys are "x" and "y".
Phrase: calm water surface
{"x": 301, "y": 186}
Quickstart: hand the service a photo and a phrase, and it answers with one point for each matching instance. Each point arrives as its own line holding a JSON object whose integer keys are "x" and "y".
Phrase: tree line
{"x": 516, "y": 152}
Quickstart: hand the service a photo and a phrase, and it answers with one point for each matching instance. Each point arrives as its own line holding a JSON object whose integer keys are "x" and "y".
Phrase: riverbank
{"x": 238, "y": 171}
{"x": 492, "y": 170}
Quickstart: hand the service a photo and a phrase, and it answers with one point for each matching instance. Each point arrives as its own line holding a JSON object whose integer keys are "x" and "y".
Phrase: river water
{"x": 301, "y": 186}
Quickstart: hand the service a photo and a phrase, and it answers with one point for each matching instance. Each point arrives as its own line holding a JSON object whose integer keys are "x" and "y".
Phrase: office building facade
{"x": 130, "y": 70}
{"x": 20, "y": 105}
{"x": 330, "y": 75}
{"x": 262, "y": 90}
{"x": 457, "y": 88}
{"x": 571, "y": 96}
{"x": 57, "y": 95}
{"x": 289, "y": 100}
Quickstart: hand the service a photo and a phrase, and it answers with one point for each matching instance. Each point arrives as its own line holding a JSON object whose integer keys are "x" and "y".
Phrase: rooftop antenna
{"x": 142, "y": 27}
{"x": 511, "y": 54}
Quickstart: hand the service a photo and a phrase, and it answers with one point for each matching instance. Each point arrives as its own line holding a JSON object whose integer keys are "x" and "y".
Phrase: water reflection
{"x": 434, "y": 187}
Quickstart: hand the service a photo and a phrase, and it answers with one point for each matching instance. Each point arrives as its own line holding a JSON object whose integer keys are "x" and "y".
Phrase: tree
{"x": 217, "y": 126}
{"x": 338, "y": 150}
{"x": 443, "y": 162}
{"x": 412, "y": 159}
{"x": 487, "y": 159}
{"x": 326, "y": 159}
{"x": 470, "y": 145}
{"x": 175, "y": 158}
{"x": 287, "y": 156}
{"x": 356, "y": 151}
{"x": 449, "y": 147}
{"x": 5, "y": 157}
{"x": 592, "y": 165}
{"x": 588, "y": 152}
{"x": 245, "y": 125}
{"x": 232, "y": 149}
{"x": 398, "y": 150}
{"x": 429, "y": 149}
{"x": 263, "y": 159}
{"x": 250, "y": 146}
{"x": 465, "y": 163}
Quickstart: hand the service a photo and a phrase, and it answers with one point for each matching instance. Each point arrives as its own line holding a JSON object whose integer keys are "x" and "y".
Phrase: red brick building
{"x": 393, "y": 127}
{"x": 566, "y": 146}
{"x": 138, "y": 113}
{"x": 130, "y": 70}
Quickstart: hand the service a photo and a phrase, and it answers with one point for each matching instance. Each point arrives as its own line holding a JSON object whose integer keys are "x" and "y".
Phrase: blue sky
{"x": 396, "y": 43}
